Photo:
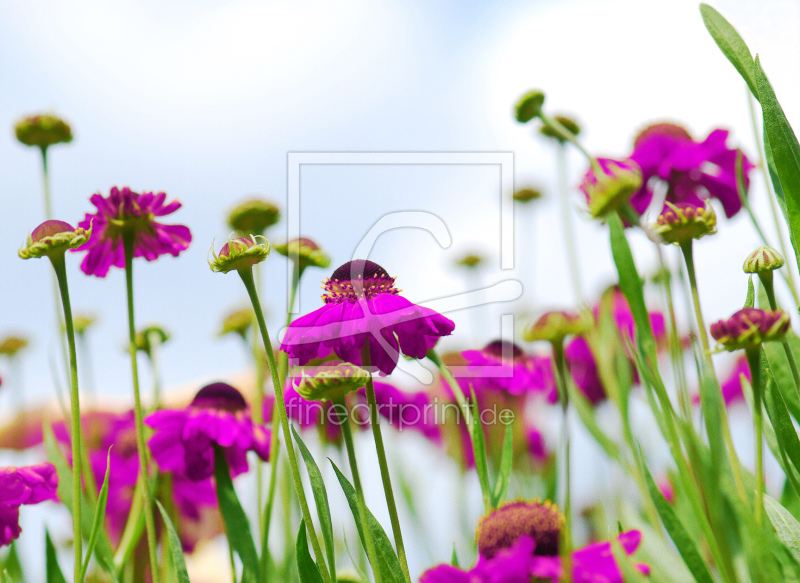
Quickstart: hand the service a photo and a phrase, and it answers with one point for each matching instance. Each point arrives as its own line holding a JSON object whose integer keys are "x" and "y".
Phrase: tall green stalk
{"x": 247, "y": 278}
{"x": 59, "y": 265}
{"x": 561, "y": 384}
{"x": 754, "y": 362}
{"x": 374, "y": 420}
{"x": 144, "y": 470}
{"x": 340, "y": 406}
{"x": 766, "y": 281}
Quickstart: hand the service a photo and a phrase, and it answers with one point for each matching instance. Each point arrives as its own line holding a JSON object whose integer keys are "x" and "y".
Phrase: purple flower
{"x": 692, "y": 171}
{"x": 184, "y": 439}
{"x": 519, "y": 541}
{"x": 362, "y": 307}
{"x": 493, "y": 370}
{"x": 23, "y": 485}
{"x": 749, "y": 327}
{"x": 125, "y": 211}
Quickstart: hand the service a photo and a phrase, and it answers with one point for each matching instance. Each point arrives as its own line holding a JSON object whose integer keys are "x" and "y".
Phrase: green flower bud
{"x": 470, "y": 261}
{"x": 750, "y": 327}
{"x": 238, "y": 322}
{"x": 239, "y": 254}
{"x": 529, "y": 106}
{"x": 762, "y": 260}
{"x": 147, "y": 338}
{"x": 43, "y": 130}
{"x": 53, "y": 238}
{"x": 685, "y": 221}
{"x": 569, "y": 124}
{"x": 253, "y": 217}
{"x": 331, "y": 381}
{"x": 525, "y": 195}
{"x": 305, "y": 251}
{"x": 555, "y": 326}
{"x": 11, "y": 345}
{"x": 82, "y": 322}
{"x": 616, "y": 183}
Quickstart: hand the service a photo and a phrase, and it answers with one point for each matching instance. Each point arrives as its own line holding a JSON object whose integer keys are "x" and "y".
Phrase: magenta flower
{"x": 125, "y": 211}
{"x": 749, "y": 327}
{"x": 519, "y": 542}
{"x": 692, "y": 171}
{"x": 362, "y": 307}
{"x": 184, "y": 439}
{"x": 505, "y": 368}
{"x": 23, "y": 485}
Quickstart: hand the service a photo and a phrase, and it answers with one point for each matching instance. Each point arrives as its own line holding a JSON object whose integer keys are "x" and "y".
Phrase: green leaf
{"x": 785, "y": 431}
{"x": 389, "y": 563}
{"x": 454, "y": 557}
{"x": 506, "y": 460}
{"x": 99, "y": 516}
{"x": 588, "y": 414}
{"x": 750, "y": 300}
{"x": 11, "y": 565}
{"x": 102, "y": 548}
{"x": 630, "y": 573}
{"x": 7, "y": 578}
{"x": 786, "y": 525}
{"x": 478, "y": 441}
{"x": 175, "y": 546}
{"x": 785, "y": 152}
{"x": 631, "y": 285}
{"x": 731, "y": 44}
{"x": 237, "y": 526}
{"x": 54, "y": 574}
{"x": 321, "y": 501}
{"x": 686, "y": 546}
{"x": 306, "y": 567}
{"x": 359, "y": 570}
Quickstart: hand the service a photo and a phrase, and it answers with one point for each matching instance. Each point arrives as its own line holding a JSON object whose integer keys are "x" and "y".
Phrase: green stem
{"x": 385, "y": 477}
{"x": 340, "y": 406}
{"x": 754, "y": 362}
{"x": 154, "y": 340}
{"x": 283, "y": 365}
{"x": 144, "y": 470}
{"x": 762, "y": 162}
{"x": 567, "y": 136}
{"x": 247, "y": 278}
{"x": 766, "y": 281}
{"x": 566, "y": 223}
{"x": 75, "y": 410}
{"x": 561, "y": 385}
{"x": 48, "y": 205}
{"x": 688, "y": 256}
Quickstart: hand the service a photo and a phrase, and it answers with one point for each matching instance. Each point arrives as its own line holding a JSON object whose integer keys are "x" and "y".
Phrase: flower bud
{"x": 529, "y": 106}
{"x": 682, "y": 222}
{"x": 614, "y": 187}
{"x": 749, "y": 327}
{"x": 500, "y": 528}
{"x": 305, "y": 252}
{"x": 525, "y": 195}
{"x": 51, "y": 238}
{"x": 11, "y": 345}
{"x": 555, "y": 326}
{"x": 332, "y": 381}
{"x": 146, "y": 338}
{"x": 470, "y": 261}
{"x": 763, "y": 260}
{"x": 82, "y": 322}
{"x": 253, "y": 217}
{"x": 43, "y": 130}
{"x": 569, "y": 124}
{"x": 238, "y": 322}
{"x": 239, "y": 254}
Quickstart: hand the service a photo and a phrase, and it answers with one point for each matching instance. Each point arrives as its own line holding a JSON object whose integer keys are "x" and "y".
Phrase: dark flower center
{"x": 662, "y": 129}
{"x": 498, "y": 348}
{"x": 357, "y": 279}
{"x": 501, "y": 528}
{"x": 220, "y": 396}
{"x": 50, "y": 228}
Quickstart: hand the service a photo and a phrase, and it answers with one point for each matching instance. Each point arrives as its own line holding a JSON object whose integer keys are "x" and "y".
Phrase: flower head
{"x": 238, "y": 322}
{"x": 253, "y": 217}
{"x": 128, "y": 213}
{"x": 184, "y": 439}
{"x": 23, "y": 485}
{"x": 611, "y": 189}
{"x": 684, "y": 221}
{"x": 83, "y": 321}
{"x": 239, "y": 254}
{"x": 10, "y": 346}
{"x": 529, "y": 106}
{"x": 692, "y": 171}
{"x": 502, "y": 366}
{"x": 304, "y": 252}
{"x": 43, "y": 130}
{"x": 149, "y": 337}
{"x": 363, "y": 308}
{"x": 500, "y": 529}
{"x": 526, "y": 195}
{"x": 569, "y": 124}
{"x": 331, "y": 381}
{"x": 749, "y": 327}
{"x": 762, "y": 260}
{"x": 53, "y": 238}
{"x": 555, "y": 326}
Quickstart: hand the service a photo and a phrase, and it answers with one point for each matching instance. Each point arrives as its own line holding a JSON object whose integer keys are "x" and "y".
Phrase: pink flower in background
{"x": 23, "y": 485}
{"x": 362, "y": 306}
{"x": 184, "y": 439}
{"x": 125, "y": 211}
{"x": 505, "y": 368}
{"x": 691, "y": 171}
{"x": 731, "y": 385}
